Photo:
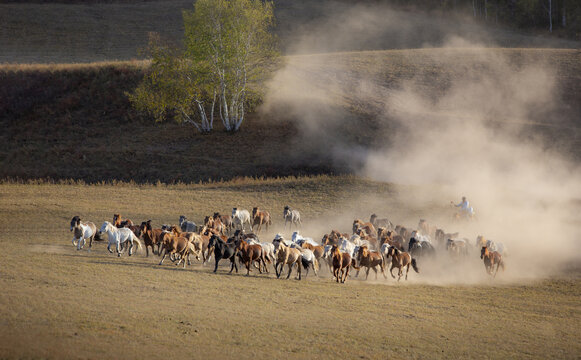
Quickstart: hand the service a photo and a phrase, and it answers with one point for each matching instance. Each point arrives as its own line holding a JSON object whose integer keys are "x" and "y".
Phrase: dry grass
{"x": 60, "y": 303}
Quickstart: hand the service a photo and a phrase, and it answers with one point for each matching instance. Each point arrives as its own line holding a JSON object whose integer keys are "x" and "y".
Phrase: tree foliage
{"x": 228, "y": 49}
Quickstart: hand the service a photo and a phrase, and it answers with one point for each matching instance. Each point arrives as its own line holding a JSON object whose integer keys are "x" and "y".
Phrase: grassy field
{"x": 61, "y": 303}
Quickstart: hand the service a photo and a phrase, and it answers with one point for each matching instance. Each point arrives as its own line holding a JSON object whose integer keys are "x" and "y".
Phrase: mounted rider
{"x": 465, "y": 209}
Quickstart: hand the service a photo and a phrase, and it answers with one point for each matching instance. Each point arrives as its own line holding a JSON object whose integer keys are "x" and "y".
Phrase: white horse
{"x": 347, "y": 246}
{"x": 291, "y": 215}
{"x": 421, "y": 237}
{"x": 82, "y": 231}
{"x": 308, "y": 258}
{"x": 241, "y": 217}
{"x": 299, "y": 239}
{"x": 119, "y": 236}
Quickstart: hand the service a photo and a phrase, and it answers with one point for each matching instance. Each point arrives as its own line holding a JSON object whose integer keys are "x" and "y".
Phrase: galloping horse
{"x": 251, "y": 253}
{"x": 289, "y": 256}
{"x": 127, "y": 223}
{"x": 119, "y": 222}
{"x": 224, "y": 250}
{"x": 369, "y": 259}
{"x": 418, "y": 248}
{"x": 260, "y": 218}
{"x": 291, "y": 215}
{"x": 400, "y": 260}
{"x": 368, "y": 227}
{"x": 186, "y": 225}
{"x": 490, "y": 259}
{"x": 177, "y": 245}
{"x": 341, "y": 264}
{"x": 241, "y": 217}
{"x": 457, "y": 248}
{"x": 82, "y": 231}
{"x": 385, "y": 223}
{"x": 226, "y": 220}
{"x": 119, "y": 236}
{"x": 151, "y": 237}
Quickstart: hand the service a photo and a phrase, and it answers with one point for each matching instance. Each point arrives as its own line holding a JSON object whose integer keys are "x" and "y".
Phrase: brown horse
{"x": 341, "y": 264}
{"x": 289, "y": 256}
{"x": 260, "y": 218}
{"x": 368, "y": 227}
{"x": 249, "y": 254}
{"x": 119, "y": 222}
{"x": 491, "y": 258}
{"x": 226, "y": 221}
{"x": 177, "y": 245}
{"x": 150, "y": 236}
{"x": 369, "y": 259}
{"x": 333, "y": 238}
{"x": 392, "y": 239}
{"x": 400, "y": 259}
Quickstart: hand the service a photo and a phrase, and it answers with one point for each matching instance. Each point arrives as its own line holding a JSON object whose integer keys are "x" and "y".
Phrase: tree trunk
{"x": 550, "y": 16}
{"x": 564, "y": 16}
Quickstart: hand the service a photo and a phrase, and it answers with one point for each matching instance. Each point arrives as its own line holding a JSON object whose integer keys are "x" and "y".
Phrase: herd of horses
{"x": 372, "y": 245}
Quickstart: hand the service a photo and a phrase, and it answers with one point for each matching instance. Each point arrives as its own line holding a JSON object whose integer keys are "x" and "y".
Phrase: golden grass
{"x": 60, "y": 303}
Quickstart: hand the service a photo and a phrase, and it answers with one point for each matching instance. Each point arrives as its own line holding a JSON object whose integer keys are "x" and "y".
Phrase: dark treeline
{"x": 559, "y": 17}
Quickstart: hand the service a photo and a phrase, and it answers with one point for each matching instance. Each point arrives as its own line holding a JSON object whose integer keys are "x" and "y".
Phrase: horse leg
{"x": 391, "y": 271}
{"x": 74, "y": 241}
{"x": 407, "y": 271}
{"x": 163, "y": 258}
{"x": 216, "y": 266}
{"x": 299, "y": 269}
{"x": 290, "y": 269}
{"x": 131, "y": 249}
{"x": 117, "y": 247}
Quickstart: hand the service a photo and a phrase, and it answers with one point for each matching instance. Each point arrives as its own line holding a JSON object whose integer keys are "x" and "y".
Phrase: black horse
{"x": 418, "y": 248}
{"x": 224, "y": 250}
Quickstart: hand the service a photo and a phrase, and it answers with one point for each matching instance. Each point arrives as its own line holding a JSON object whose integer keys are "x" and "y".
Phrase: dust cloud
{"x": 445, "y": 136}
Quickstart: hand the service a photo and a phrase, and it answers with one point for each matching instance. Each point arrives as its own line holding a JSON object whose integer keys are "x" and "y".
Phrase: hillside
{"x": 62, "y": 121}
{"x": 96, "y": 30}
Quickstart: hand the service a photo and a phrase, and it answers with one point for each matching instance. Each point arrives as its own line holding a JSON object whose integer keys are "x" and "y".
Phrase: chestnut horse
{"x": 341, "y": 264}
{"x": 260, "y": 218}
{"x": 150, "y": 236}
{"x": 251, "y": 253}
{"x": 226, "y": 220}
{"x": 400, "y": 259}
{"x": 491, "y": 258}
{"x": 368, "y": 227}
{"x": 369, "y": 259}
{"x": 177, "y": 245}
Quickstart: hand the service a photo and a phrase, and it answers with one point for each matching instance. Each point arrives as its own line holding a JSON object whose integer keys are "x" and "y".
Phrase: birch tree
{"x": 231, "y": 41}
{"x": 173, "y": 87}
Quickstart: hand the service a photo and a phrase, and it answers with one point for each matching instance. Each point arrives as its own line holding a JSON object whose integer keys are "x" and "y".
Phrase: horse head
{"x": 105, "y": 227}
{"x": 483, "y": 252}
{"x": 75, "y": 221}
{"x": 116, "y": 219}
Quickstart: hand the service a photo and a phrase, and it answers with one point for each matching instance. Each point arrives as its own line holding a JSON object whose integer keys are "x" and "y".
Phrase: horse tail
{"x": 415, "y": 266}
{"x": 136, "y": 239}
{"x": 305, "y": 262}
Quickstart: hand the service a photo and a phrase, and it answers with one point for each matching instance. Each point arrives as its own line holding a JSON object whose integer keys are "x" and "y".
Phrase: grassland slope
{"x": 75, "y": 121}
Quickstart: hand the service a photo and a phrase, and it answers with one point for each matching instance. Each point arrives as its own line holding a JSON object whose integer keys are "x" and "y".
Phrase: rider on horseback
{"x": 466, "y": 210}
